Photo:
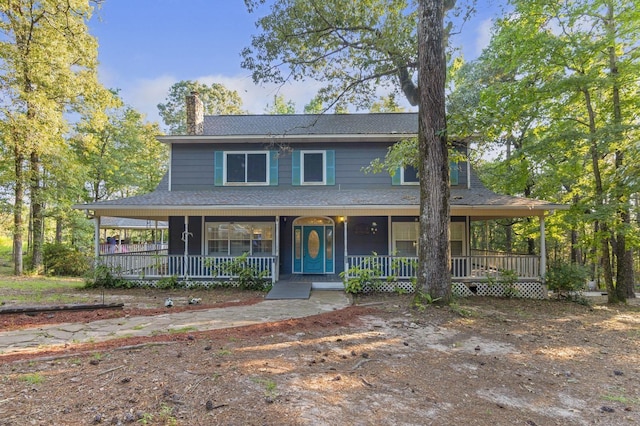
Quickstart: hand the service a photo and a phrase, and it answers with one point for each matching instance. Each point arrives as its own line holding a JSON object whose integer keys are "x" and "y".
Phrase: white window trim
{"x": 224, "y": 170}
{"x": 461, "y": 225}
{"x": 205, "y": 248}
{"x": 463, "y": 229}
{"x": 324, "y": 167}
{"x": 402, "y": 181}
{"x": 394, "y": 238}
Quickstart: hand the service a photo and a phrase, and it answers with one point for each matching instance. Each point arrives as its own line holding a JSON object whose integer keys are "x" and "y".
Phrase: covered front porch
{"x": 205, "y": 237}
{"x": 351, "y": 248}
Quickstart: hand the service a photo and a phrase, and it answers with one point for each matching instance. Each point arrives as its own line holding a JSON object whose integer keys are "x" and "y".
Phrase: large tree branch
{"x": 409, "y": 88}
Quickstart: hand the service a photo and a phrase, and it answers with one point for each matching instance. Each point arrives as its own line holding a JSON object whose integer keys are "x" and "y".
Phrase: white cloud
{"x": 484, "y": 35}
{"x": 145, "y": 94}
{"x": 256, "y": 98}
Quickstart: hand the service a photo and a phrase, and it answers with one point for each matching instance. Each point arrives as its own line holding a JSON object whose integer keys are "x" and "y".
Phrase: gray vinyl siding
{"x": 192, "y": 165}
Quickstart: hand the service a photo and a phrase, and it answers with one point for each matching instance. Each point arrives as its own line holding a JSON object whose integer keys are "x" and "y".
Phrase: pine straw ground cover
{"x": 481, "y": 361}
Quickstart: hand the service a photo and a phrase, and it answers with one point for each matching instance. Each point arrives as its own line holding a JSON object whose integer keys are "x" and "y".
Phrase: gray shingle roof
{"x": 306, "y": 124}
{"x": 267, "y": 197}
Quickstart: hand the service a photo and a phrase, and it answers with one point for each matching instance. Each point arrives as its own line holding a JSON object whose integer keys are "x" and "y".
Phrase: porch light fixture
{"x": 374, "y": 228}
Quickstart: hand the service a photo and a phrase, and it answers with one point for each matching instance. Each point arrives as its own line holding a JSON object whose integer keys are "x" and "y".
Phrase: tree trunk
{"x": 624, "y": 255}
{"x": 37, "y": 210}
{"x": 602, "y": 237}
{"x": 18, "y": 223}
{"x": 434, "y": 276}
{"x": 58, "y": 230}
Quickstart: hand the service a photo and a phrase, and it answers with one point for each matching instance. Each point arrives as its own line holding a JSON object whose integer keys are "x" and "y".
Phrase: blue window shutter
{"x": 273, "y": 168}
{"x": 330, "y": 163}
{"x": 295, "y": 168}
{"x": 453, "y": 172}
{"x": 218, "y": 168}
{"x": 395, "y": 179}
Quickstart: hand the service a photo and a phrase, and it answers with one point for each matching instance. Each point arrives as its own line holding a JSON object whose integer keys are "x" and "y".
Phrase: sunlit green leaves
{"x": 216, "y": 99}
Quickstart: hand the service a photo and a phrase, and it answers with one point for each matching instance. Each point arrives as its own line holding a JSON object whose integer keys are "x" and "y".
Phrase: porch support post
{"x": 543, "y": 249}
{"x": 185, "y": 238}
{"x": 155, "y": 236}
{"x": 346, "y": 262}
{"x": 96, "y": 237}
{"x": 276, "y": 260}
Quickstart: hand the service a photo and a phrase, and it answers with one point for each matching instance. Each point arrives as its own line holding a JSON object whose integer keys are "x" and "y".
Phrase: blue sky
{"x": 145, "y": 46}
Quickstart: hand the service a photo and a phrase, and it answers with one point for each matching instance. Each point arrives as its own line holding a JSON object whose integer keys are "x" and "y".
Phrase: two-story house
{"x": 290, "y": 191}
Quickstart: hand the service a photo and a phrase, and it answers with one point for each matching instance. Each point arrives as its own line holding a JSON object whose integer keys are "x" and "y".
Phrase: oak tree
{"x": 216, "y": 99}
{"x": 354, "y": 48}
{"x": 48, "y": 63}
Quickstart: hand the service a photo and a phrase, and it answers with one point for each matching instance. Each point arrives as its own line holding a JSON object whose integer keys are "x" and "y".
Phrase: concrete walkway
{"x": 196, "y": 320}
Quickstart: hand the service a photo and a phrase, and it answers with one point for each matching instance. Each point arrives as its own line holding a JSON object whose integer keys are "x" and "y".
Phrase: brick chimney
{"x": 195, "y": 114}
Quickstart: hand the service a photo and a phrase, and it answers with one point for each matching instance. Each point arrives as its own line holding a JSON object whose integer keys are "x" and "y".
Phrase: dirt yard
{"x": 483, "y": 361}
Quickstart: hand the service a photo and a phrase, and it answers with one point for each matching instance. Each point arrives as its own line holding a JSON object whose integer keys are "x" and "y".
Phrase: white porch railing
{"x": 475, "y": 266}
{"x": 131, "y": 248}
{"x": 160, "y": 264}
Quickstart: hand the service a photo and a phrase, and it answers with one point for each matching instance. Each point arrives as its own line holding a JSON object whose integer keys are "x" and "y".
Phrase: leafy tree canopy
{"x": 351, "y": 46}
{"x": 217, "y": 100}
{"x": 280, "y": 106}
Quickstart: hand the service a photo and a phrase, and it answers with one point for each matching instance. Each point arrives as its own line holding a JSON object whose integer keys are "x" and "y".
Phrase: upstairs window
{"x": 246, "y": 168}
{"x": 313, "y": 168}
{"x": 312, "y": 165}
{"x": 408, "y": 175}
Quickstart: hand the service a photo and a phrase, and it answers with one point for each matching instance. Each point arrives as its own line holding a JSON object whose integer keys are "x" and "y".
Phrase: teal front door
{"x": 313, "y": 250}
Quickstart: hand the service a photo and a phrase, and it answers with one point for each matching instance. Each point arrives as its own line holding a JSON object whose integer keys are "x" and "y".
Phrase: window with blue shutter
{"x": 273, "y": 168}
{"x": 295, "y": 168}
{"x": 453, "y": 172}
{"x": 330, "y": 169}
{"x": 313, "y": 167}
{"x": 218, "y": 161}
{"x": 245, "y": 168}
{"x": 396, "y": 179}
{"x": 408, "y": 175}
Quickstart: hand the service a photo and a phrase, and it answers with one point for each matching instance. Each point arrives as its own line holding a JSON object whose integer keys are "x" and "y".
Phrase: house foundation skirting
{"x": 527, "y": 289}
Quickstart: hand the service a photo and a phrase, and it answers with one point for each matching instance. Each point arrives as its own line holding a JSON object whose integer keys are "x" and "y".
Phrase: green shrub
{"x": 563, "y": 278}
{"x": 61, "y": 259}
{"x": 103, "y": 277}
{"x": 422, "y": 299}
{"x": 166, "y": 283}
{"x": 508, "y": 280}
{"x": 362, "y": 277}
{"x": 248, "y": 277}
